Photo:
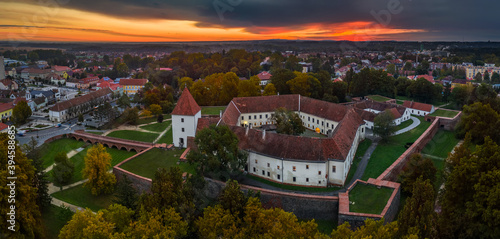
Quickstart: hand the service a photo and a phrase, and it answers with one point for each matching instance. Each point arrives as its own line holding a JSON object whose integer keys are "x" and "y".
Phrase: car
{"x": 88, "y": 119}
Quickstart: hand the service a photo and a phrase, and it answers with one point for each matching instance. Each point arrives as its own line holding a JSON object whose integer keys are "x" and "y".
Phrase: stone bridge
{"x": 110, "y": 142}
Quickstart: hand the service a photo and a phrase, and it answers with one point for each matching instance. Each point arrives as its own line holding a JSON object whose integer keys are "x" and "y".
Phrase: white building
{"x": 370, "y": 109}
{"x": 185, "y": 119}
{"x": 288, "y": 159}
{"x": 68, "y": 109}
{"x": 419, "y": 109}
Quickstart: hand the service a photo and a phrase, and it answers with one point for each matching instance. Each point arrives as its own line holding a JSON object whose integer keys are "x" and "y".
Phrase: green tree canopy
{"x": 288, "y": 122}
{"x": 20, "y": 113}
{"x": 97, "y": 164}
{"x": 384, "y": 125}
{"x": 269, "y": 89}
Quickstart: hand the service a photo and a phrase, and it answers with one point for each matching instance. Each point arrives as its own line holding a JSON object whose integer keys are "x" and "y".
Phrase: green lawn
{"x": 152, "y": 119}
{"x": 369, "y": 198}
{"x": 212, "y": 110}
{"x": 363, "y": 146}
{"x": 41, "y": 126}
{"x": 166, "y": 138}
{"x": 378, "y": 98}
{"x": 158, "y": 127}
{"x": 400, "y": 102}
{"x": 134, "y": 135}
{"x": 444, "y": 113}
{"x": 146, "y": 164}
{"x": 404, "y": 124}
{"x": 439, "y": 164}
{"x": 386, "y": 153}
{"x": 80, "y": 196}
{"x": 49, "y": 151}
{"x": 442, "y": 143}
{"x": 291, "y": 187}
{"x": 53, "y": 220}
{"x": 312, "y": 134}
{"x": 79, "y": 161}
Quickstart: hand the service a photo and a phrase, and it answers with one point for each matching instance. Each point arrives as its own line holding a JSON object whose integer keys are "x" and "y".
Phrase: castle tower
{"x": 185, "y": 119}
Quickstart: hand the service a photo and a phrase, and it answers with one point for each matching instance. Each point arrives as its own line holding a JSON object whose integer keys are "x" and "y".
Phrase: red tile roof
{"x": 204, "y": 122}
{"x": 417, "y": 106}
{"x": 3, "y": 126}
{"x": 6, "y": 106}
{"x": 61, "y": 68}
{"x": 186, "y": 105}
{"x": 264, "y": 75}
{"x": 395, "y": 113}
{"x": 80, "y": 100}
{"x": 133, "y": 81}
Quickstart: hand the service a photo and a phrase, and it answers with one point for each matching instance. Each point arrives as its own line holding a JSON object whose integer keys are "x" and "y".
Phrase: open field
{"x": 212, "y": 110}
{"x": 442, "y": 144}
{"x": 80, "y": 196}
{"x": 146, "y": 164}
{"x": 49, "y": 151}
{"x": 166, "y": 138}
{"x": 444, "y": 113}
{"x": 386, "y": 153}
{"x": 369, "y": 198}
{"x": 152, "y": 119}
{"x": 158, "y": 127}
{"x": 134, "y": 135}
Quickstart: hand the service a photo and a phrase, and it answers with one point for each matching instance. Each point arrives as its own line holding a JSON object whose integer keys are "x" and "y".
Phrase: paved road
{"x": 364, "y": 161}
{"x": 415, "y": 123}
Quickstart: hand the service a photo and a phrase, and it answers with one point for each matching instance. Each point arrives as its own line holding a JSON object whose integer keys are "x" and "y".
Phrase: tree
{"x": 391, "y": 69}
{"x": 447, "y": 92}
{"x": 478, "y": 77}
{"x": 269, "y": 89}
{"x": 384, "y": 125}
{"x": 159, "y": 119}
{"x": 250, "y": 87}
{"x": 217, "y": 151}
{"x": 470, "y": 208}
{"x": 28, "y": 222}
{"x": 33, "y": 56}
{"x": 371, "y": 229}
{"x": 155, "y": 109}
{"x": 480, "y": 120}
{"x": 63, "y": 169}
{"x": 80, "y": 118}
{"x": 40, "y": 180}
{"x": 486, "y": 77}
{"x": 20, "y": 113}
{"x": 125, "y": 194}
{"x": 86, "y": 224}
{"x": 495, "y": 78}
{"x": 280, "y": 78}
{"x": 417, "y": 167}
{"x": 123, "y": 101}
{"x": 288, "y": 122}
{"x": 418, "y": 214}
{"x": 131, "y": 116}
{"x": 302, "y": 84}
{"x": 97, "y": 164}
{"x": 185, "y": 82}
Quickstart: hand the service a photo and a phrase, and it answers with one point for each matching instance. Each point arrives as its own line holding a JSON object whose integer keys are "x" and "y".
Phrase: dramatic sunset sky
{"x": 226, "y": 20}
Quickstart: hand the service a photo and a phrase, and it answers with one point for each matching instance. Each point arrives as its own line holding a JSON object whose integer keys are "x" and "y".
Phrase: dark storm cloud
{"x": 452, "y": 16}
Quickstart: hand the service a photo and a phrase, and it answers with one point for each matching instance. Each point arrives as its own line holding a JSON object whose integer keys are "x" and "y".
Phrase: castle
{"x": 285, "y": 159}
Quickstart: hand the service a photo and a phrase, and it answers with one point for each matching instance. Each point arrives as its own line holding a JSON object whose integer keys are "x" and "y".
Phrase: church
{"x": 285, "y": 159}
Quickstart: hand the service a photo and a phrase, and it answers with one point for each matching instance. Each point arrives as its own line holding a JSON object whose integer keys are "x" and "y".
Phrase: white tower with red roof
{"x": 185, "y": 119}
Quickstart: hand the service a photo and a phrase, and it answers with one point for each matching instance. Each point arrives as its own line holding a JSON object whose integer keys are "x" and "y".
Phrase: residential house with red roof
{"x": 417, "y": 108}
{"x": 427, "y": 77}
{"x": 68, "y": 109}
{"x": 369, "y": 109}
{"x": 3, "y": 127}
{"x": 185, "y": 119}
{"x": 7, "y": 84}
{"x": 132, "y": 86}
{"x": 285, "y": 159}
{"x": 6, "y": 110}
{"x": 109, "y": 84}
{"x": 264, "y": 77}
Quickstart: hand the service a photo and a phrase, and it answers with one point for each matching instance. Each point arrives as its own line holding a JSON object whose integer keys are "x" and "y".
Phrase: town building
{"x": 264, "y": 77}
{"x": 417, "y": 108}
{"x": 369, "y": 109}
{"x": 68, "y": 109}
{"x": 6, "y": 110}
{"x": 132, "y": 86}
{"x": 285, "y": 159}
{"x": 7, "y": 84}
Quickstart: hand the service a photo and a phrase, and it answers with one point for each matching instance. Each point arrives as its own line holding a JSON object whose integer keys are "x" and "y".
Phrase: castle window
{"x": 294, "y": 179}
{"x": 182, "y": 129}
{"x": 278, "y": 167}
{"x": 266, "y": 116}
{"x": 279, "y": 176}
{"x": 255, "y": 117}
{"x": 319, "y": 172}
{"x": 294, "y": 168}
{"x": 327, "y": 125}
{"x": 322, "y": 123}
{"x": 317, "y": 121}
{"x": 268, "y": 165}
{"x": 182, "y": 120}
{"x": 260, "y": 116}
{"x": 256, "y": 161}
{"x": 249, "y": 117}
{"x": 263, "y": 172}
{"x": 307, "y": 166}
{"x": 268, "y": 174}
{"x": 307, "y": 180}
{"x": 242, "y": 117}
{"x": 308, "y": 118}
{"x": 254, "y": 169}
{"x": 334, "y": 169}
{"x": 319, "y": 182}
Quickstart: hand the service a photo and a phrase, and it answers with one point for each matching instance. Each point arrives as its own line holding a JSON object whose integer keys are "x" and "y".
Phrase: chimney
{"x": 264, "y": 134}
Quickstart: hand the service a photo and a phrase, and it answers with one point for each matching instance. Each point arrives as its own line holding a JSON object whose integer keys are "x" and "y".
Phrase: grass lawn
{"x": 439, "y": 164}
{"x": 369, "y": 198}
{"x": 378, "y": 98}
{"x": 80, "y": 196}
{"x": 158, "y": 127}
{"x": 52, "y": 220}
{"x": 363, "y": 146}
{"x": 152, "y": 119}
{"x": 400, "y": 102}
{"x": 134, "y": 135}
{"x": 444, "y": 113}
{"x": 49, "y": 151}
{"x": 146, "y": 164}
{"x": 312, "y": 134}
{"x": 41, "y": 126}
{"x": 291, "y": 187}
{"x": 79, "y": 161}
{"x": 404, "y": 124}
{"x": 94, "y": 132}
{"x": 386, "y": 153}
{"x": 442, "y": 143}
{"x": 166, "y": 138}
{"x": 212, "y": 110}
